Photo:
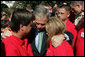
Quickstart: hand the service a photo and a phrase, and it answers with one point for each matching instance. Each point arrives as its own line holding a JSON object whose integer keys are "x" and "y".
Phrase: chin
{"x": 26, "y": 34}
{"x": 39, "y": 29}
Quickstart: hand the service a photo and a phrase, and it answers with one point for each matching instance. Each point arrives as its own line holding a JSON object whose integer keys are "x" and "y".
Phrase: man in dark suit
{"x": 38, "y": 32}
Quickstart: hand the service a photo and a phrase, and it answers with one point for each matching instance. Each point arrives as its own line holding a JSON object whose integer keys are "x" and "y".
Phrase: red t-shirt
{"x": 80, "y": 43}
{"x": 15, "y": 47}
{"x": 62, "y": 50}
{"x": 71, "y": 28}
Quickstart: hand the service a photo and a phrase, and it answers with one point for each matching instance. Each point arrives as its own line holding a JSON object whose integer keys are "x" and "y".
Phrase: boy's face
{"x": 26, "y": 29}
{"x": 62, "y": 13}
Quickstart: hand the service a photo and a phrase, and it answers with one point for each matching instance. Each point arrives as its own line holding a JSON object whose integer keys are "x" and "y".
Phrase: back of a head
{"x": 20, "y": 16}
{"x": 55, "y": 26}
{"x": 29, "y": 8}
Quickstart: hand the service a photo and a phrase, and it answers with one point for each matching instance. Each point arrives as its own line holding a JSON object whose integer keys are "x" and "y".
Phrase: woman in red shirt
{"x": 16, "y": 44}
{"x": 57, "y": 27}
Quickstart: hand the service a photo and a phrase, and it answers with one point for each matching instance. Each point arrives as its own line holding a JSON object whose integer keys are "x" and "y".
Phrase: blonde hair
{"x": 53, "y": 27}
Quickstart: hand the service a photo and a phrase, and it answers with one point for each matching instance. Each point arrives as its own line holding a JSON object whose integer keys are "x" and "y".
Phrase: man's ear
{"x": 21, "y": 27}
{"x": 68, "y": 14}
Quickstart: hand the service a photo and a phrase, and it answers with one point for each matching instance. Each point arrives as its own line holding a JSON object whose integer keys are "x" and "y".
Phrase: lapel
{"x": 44, "y": 44}
{"x": 34, "y": 49}
{"x": 43, "y": 48}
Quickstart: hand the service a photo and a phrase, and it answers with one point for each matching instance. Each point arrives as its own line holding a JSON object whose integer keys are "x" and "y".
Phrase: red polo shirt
{"x": 71, "y": 28}
{"x": 62, "y": 50}
{"x": 80, "y": 43}
{"x": 15, "y": 47}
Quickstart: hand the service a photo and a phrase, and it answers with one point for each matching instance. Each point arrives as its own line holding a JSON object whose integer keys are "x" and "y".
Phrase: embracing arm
{"x": 57, "y": 40}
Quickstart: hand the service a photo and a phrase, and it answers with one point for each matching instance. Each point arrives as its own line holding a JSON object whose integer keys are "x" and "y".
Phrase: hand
{"x": 6, "y": 33}
{"x": 82, "y": 14}
{"x": 57, "y": 40}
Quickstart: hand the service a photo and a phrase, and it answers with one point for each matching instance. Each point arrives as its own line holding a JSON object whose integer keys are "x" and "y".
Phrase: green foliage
{"x": 23, "y": 4}
{"x": 4, "y": 7}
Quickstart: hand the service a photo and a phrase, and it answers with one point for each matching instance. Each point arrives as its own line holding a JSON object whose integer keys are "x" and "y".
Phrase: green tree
{"x": 23, "y": 4}
{"x": 4, "y": 7}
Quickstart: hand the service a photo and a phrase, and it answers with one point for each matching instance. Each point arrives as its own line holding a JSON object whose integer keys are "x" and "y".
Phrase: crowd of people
{"x": 45, "y": 31}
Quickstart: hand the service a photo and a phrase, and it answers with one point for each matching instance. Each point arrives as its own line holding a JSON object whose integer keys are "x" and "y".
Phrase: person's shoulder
{"x": 66, "y": 44}
{"x": 8, "y": 42}
{"x": 63, "y": 44}
{"x": 6, "y": 39}
{"x": 71, "y": 24}
{"x": 63, "y": 47}
{"x": 81, "y": 30}
{"x": 81, "y": 33}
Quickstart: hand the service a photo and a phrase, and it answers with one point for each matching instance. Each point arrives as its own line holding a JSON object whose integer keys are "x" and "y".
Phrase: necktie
{"x": 40, "y": 41}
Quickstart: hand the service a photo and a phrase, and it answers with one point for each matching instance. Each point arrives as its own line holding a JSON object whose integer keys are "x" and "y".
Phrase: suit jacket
{"x": 32, "y": 42}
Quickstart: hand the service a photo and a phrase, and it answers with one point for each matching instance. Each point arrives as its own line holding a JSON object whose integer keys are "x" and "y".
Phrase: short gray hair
{"x": 41, "y": 12}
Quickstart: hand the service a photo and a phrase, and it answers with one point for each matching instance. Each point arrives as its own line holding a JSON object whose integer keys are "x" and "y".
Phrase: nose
{"x": 39, "y": 26}
{"x": 58, "y": 15}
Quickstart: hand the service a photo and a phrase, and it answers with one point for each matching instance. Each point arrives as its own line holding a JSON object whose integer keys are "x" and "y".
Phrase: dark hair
{"x": 66, "y": 7}
{"x": 20, "y": 16}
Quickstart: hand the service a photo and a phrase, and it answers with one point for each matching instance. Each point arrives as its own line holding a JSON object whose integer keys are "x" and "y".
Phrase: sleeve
{"x": 69, "y": 37}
